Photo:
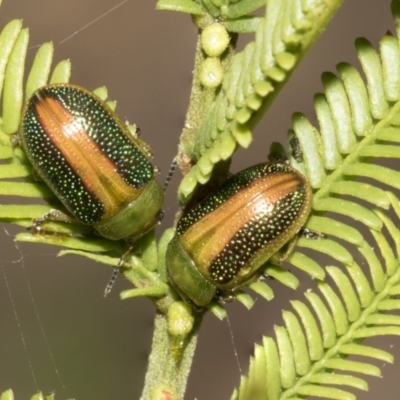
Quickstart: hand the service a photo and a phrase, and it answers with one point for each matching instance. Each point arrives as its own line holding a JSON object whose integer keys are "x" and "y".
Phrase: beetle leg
{"x": 297, "y": 153}
{"x": 52, "y": 215}
{"x": 311, "y": 234}
{"x": 225, "y": 297}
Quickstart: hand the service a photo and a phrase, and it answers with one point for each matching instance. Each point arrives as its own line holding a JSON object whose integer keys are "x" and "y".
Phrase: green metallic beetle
{"x": 97, "y": 168}
{"x": 221, "y": 243}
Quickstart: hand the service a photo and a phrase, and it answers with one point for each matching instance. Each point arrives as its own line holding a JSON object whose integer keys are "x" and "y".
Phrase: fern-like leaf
{"x": 346, "y": 163}
{"x": 253, "y": 79}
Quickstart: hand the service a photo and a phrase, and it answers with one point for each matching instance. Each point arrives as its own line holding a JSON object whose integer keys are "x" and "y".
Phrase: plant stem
{"x": 170, "y": 362}
{"x": 201, "y": 99}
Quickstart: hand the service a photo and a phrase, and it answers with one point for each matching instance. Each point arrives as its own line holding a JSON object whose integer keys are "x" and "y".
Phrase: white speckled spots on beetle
{"x": 93, "y": 117}
{"x": 261, "y": 231}
{"x": 228, "y": 189}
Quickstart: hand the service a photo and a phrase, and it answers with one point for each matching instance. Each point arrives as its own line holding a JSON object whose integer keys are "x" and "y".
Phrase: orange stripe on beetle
{"x": 97, "y": 172}
{"x": 207, "y": 239}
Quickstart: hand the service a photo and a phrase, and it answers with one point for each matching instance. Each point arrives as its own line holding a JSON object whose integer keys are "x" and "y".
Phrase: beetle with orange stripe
{"x": 222, "y": 242}
{"x": 97, "y": 168}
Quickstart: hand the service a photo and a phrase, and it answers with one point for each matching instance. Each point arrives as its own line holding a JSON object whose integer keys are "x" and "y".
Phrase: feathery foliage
{"x": 347, "y": 162}
{"x": 252, "y": 79}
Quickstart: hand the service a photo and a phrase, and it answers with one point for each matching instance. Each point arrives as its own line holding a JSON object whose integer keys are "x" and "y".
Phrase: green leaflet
{"x": 187, "y": 6}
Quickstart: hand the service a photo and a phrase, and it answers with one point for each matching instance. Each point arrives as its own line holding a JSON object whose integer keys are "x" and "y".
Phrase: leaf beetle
{"x": 220, "y": 244}
{"x": 97, "y": 168}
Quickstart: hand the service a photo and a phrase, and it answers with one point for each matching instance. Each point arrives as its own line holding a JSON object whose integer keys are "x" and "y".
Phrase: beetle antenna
{"x": 170, "y": 174}
{"x": 111, "y": 282}
{"x": 117, "y": 269}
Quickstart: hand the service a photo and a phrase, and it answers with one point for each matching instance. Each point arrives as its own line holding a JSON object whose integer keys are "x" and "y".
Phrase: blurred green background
{"x": 100, "y": 346}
